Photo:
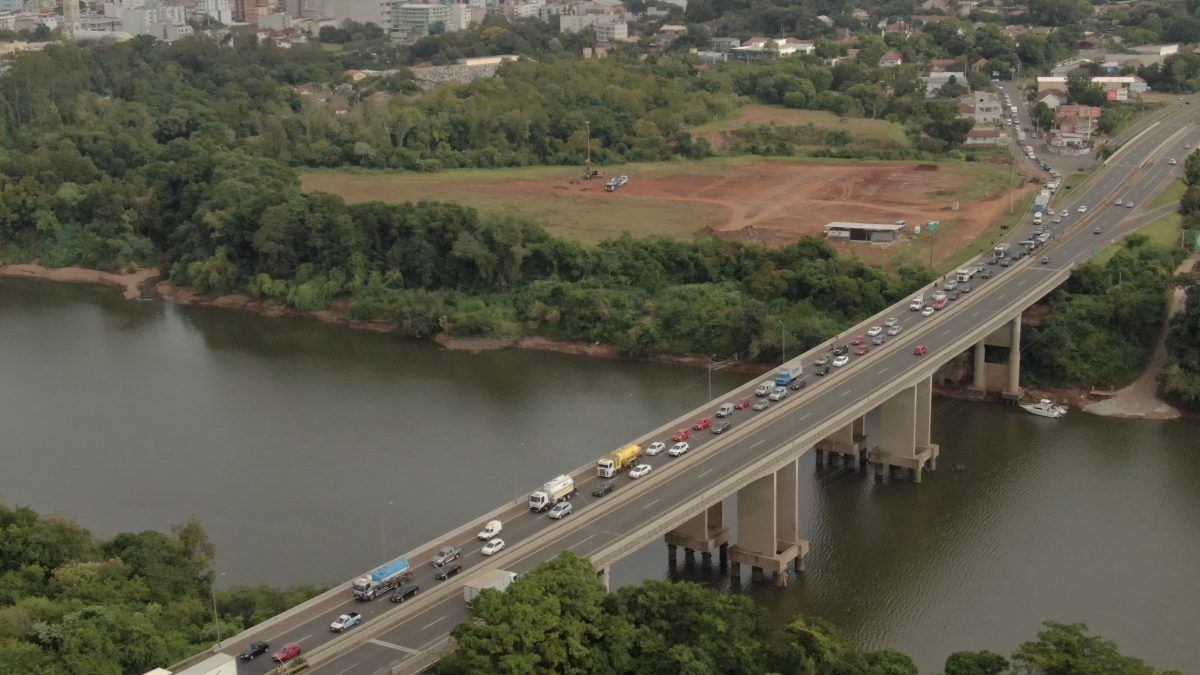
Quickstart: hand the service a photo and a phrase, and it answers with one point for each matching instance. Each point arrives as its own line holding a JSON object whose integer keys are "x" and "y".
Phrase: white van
{"x": 916, "y": 304}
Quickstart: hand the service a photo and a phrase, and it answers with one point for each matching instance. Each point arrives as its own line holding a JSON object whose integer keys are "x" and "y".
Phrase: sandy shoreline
{"x": 131, "y": 282}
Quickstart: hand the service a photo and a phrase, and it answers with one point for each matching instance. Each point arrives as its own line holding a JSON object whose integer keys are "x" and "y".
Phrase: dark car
{"x": 721, "y": 427}
{"x": 986, "y": 274}
{"x": 253, "y": 650}
{"x": 404, "y": 593}
{"x": 842, "y": 350}
{"x": 822, "y": 372}
{"x": 1004, "y": 262}
{"x": 953, "y": 295}
{"x": 448, "y": 571}
{"x": 798, "y": 385}
{"x": 602, "y": 489}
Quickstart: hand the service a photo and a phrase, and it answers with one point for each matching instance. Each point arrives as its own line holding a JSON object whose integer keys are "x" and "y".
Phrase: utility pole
{"x": 782, "y": 339}
{"x": 1012, "y": 188}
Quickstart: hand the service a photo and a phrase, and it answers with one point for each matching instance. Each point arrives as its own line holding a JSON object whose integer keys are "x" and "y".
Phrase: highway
{"x": 1136, "y": 174}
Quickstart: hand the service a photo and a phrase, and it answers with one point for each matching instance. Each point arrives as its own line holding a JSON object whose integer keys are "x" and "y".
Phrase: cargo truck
{"x": 965, "y": 274}
{"x": 382, "y": 580}
{"x": 497, "y": 579}
{"x": 618, "y": 460}
{"x": 1000, "y": 251}
{"x": 784, "y": 377}
{"x": 558, "y": 490}
{"x": 1042, "y": 201}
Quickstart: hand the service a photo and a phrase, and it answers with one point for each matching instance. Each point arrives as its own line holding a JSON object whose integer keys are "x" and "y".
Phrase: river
{"x": 309, "y": 452}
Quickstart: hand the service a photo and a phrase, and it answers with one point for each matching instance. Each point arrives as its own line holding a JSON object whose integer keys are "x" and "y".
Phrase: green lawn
{"x": 880, "y": 130}
{"x": 1173, "y": 193}
{"x": 1164, "y": 231}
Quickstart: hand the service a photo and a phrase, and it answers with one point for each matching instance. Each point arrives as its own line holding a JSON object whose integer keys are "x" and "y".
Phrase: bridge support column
{"x": 904, "y": 432}
{"x": 602, "y": 575}
{"x": 703, "y": 533}
{"x": 769, "y": 527}
{"x": 1013, "y": 391}
{"x": 980, "y": 374}
{"x": 849, "y": 442}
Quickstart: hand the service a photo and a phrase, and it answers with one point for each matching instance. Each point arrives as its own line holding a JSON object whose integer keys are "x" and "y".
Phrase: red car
{"x": 742, "y": 404}
{"x": 862, "y": 351}
{"x": 858, "y": 340}
{"x": 920, "y": 350}
{"x": 703, "y": 424}
{"x": 287, "y": 652}
{"x": 682, "y": 435}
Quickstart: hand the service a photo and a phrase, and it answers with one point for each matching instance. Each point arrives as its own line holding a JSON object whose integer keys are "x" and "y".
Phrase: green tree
{"x": 976, "y": 663}
{"x": 1067, "y": 649}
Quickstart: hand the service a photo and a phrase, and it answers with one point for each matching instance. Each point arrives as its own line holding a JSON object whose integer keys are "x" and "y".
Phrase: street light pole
{"x": 382, "y": 546}
{"x": 216, "y": 619}
{"x": 783, "y": 338}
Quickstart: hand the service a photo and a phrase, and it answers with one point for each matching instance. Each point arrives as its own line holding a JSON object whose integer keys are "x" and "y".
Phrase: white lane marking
{"x": 649, "y": 505}
{"x": 758, "y": 444}
{"x": 301, "y": 639}
{"x": 347, "y": 668}
{"x": 845, "y": 392}
{"x": 947, "y": 331}
{"x": 581, "y": 543}
{"x": 705, "y": 472}
{"x": 882, "y": 371}
{"x": 975, "y": 314}
{"x": 1002, "y": 296}
{"x": 392, "y": 645}
{"x": 1021, "y": 282}
{"x": 806, "y": 416}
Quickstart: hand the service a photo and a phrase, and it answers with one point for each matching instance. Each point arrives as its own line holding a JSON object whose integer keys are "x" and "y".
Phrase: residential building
{"x": 70, "y": 18}
{"x": 890, "y": 59}
{"x": 608, "y": 27}
{"x": 412, "y": 20}
{"x": 1117, "y": 88}
{"x": 984, "y": 108}
{"x": 165, "y": 22}
{"x": 935, "y": 81}
{"x": 220, "y": 11}
{"x": 1074, "y": 122}
{"x": 942, "y": 65}
{"x": 760, "y": 49}
{"x": 1052, "y": 98}
{"x": 362, "y": 11}
{"x": 12, "y": 5}
{"x": 724, "y": 44}
{"x": 984, "y": 136}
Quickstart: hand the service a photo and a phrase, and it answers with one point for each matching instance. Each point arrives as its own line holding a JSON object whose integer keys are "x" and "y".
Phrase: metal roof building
{"x": 864, "y": 231}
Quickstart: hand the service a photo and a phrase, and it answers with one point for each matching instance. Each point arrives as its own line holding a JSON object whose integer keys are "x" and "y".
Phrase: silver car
{"x": 895, "y": 330}
{"x": 779, "y": 394}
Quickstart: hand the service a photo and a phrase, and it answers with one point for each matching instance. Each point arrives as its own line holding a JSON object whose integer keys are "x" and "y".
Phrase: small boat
{"x": 1044, "y": 408}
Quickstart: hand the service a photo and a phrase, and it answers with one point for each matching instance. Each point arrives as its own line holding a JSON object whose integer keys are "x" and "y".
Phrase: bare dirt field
{"x": 764, "y": 201}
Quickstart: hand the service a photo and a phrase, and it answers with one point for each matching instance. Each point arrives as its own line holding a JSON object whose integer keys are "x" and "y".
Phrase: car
{"x": 561, "y": 510}
{"x": 607, "y": 487}
{"x": 797, "y": 385}
{"x": 346, "y": 621}
{"x": 704, "y": 423}
{"x": 1095, "y": 230}
{"x": 404, "y": 593}
{"x": 490, "y": 530}
{"x": 841, "y": 350}
{"x": 721, "y": 427}
{"x": 658, "y": 446}
{"x": 778, "y": 394}
{"x": 726, "y": 410}
{"x": 1172, "y": 161}
{"x": 682, "y": 435}
{"x": 1118, "y": 201}
{"x": 1082, "y": 208}
{"x": 764, "y": 389}
{"x": 928, "y": 311}
{"x": 254, "y": 650}
{"x": 891, "y": 321}
{"x": 1057, "y": 219}
{"x": 1045, "y": 261}
{"x": 287, "y": 652}
{"x": 878, "y": 340}
{"x": 858, "y": 340}
{"x": 742, "y": 404}
{"x": 1005, "y": 262}
{"x": 952, "y": 296}
{"x": 841, "y": 361}
{"x": 986, "y": 274}
{"x": 822, "y": 360}
{"x": 1129, "y": 205}
{"x": 448, "y": 571}
{"x": 862, "y": 351}
{"x": 895, "y": 330}
{"x": 678, "y": 449}
{"x": 874, "y": 330}
{"x": 639, "y": 471}
{"x": 822, "y": 372}
{"x": 761, "y": 404}
{"x": 1049, "y": 212}
{"x": 965, "y": 288}
{"x": 951, "y": 284}
{"x": 920, "y": 350}
{"x": 446, "y": 554}
{"x": 493, "y": 547}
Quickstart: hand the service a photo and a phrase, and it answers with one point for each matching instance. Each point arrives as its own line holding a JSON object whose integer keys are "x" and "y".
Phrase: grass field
{"x": 1173, "y": 193}
{"x": 879, "y": 130}
{"x": 1164, "y": 232}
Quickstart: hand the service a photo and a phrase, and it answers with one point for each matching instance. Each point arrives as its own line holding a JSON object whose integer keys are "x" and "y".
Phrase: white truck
{"x": 497, "y": 579}
{"x": 965, "y": 274}
{"x": 557, "y": 490}
{"x": 917, "y": 303}
{"x": 1000, "y": 251}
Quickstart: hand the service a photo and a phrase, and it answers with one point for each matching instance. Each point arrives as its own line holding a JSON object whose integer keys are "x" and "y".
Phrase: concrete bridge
{"x": 683, "y": 499}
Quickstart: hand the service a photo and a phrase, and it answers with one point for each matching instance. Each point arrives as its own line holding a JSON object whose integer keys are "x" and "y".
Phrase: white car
{"x": 873, "y": 331}
{"x": 764, "y": 388}
{"x": 1082, "y": 208}
{"x": 655, "y": 448}
{"x": 678, "y": 449}
{"x": 1172, "y": 162}
{"x": 779, "y": 394}
{"x": 891, "y": 321}
{"x": 492, "y": 547}
{"x": 1129, "y": 205}
{"x": 345, "y": 621}
{"x": 639, "y": 471}
{"x": 928, "y": 311}
{"x": 895, "y": 330}
{"x": 841, "y": 361}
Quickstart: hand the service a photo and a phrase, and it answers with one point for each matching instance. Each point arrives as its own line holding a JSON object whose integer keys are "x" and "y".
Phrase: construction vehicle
{"x": 557, "y": 490}
{"x": 618, "y": 460}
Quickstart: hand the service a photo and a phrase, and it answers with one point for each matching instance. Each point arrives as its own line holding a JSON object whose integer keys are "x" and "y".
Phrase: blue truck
{"x": 1042, "y": 201}
{"x": 382, "y": 580}
{"x": 784, "y": 377}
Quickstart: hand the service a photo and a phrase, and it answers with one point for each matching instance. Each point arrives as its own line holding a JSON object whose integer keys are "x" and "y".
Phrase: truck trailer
{"x": 785, "y": 376}
{"x": 618, "y": 460}
{"x": 558, "y": 490}
{"x": 382, "y": 580}
{"x": 1000, "y": 251}
{"x": 497, "y": 579}
{"x": 1042, "y": 201}
{"x": 965, "y": 274}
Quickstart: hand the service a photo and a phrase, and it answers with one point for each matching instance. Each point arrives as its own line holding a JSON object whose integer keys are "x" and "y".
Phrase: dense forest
{"x": 560, "y": 619}
{"x": 1179, "y": 380}
{"x": 72, "y": 604}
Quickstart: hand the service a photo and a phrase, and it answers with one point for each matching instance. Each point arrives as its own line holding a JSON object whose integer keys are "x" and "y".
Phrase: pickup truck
{"x": 345, "y": 621}
{"x": 446, "y": 554}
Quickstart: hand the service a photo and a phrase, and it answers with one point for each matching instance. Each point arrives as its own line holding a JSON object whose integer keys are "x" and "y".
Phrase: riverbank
{"x": 131, "y": 282}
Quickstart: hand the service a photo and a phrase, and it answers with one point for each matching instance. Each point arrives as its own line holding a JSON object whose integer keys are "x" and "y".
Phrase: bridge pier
{"x": 1013, "y": 391}
{"x": 769, "y": 527}
{"x": 904, "y": 441}
{"x": 849, "y": 442}
{"x": 979, "y": 381}
{"x": 704, "y": 533}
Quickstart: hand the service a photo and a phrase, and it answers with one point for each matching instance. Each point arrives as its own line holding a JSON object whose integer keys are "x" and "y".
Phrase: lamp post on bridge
{"x": 783, "y": 338}
{"x": 216, "y": 619}
{"x": 382, "y": 544}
